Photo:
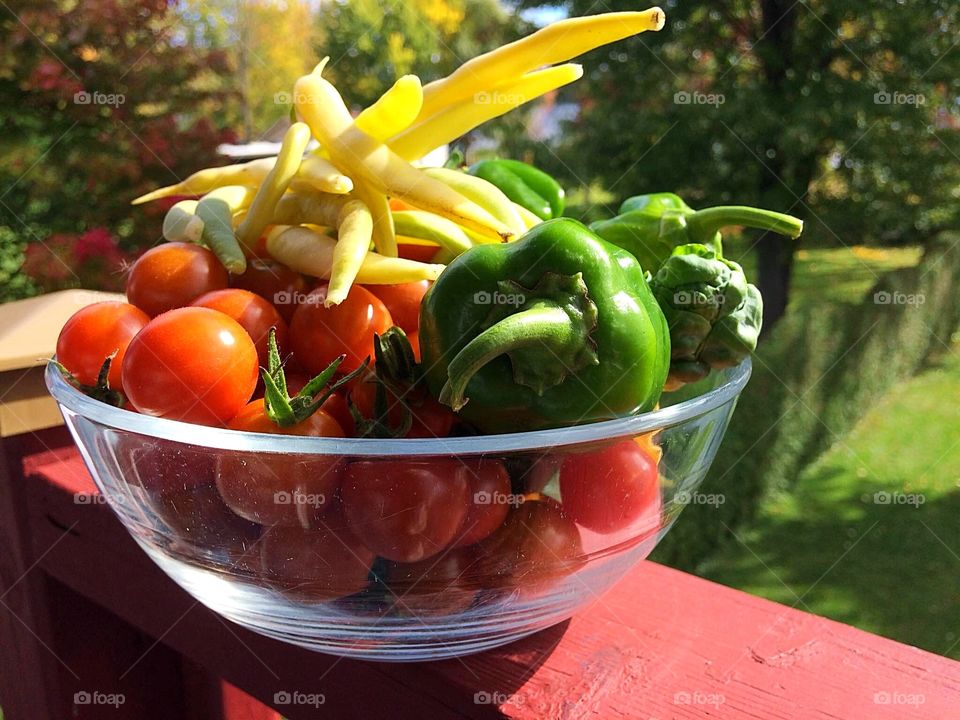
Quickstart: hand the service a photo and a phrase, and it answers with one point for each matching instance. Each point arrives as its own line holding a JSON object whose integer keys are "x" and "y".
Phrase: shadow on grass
{"x": 886, "y": 561}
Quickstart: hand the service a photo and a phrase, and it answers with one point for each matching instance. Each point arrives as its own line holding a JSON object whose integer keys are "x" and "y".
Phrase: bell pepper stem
{"x": 543, "y": 323}
{"x": 704, "y": 224}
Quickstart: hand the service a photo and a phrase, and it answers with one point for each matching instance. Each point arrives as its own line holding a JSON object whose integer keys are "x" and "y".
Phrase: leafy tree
{"x": 99, "y": 101}
{"x": 269, "y": 42}
{"x": 371, "y": 45}
{"x": 842, "y": 113}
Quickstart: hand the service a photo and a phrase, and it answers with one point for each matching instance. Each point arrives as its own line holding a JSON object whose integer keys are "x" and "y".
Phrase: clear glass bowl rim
{"x": 221, "y": 438}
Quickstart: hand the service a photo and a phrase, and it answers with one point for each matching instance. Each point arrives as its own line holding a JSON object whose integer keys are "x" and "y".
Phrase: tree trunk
{"x": 774, "y": 270}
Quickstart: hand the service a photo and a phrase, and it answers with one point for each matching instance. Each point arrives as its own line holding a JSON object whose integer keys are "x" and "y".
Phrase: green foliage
{"x": 820, "y": 370}
{"x": 98, "y": 102}
{"x": 812, "y": 108}
{"x": 881, "y": 499}
{"x": 371, "y": 44}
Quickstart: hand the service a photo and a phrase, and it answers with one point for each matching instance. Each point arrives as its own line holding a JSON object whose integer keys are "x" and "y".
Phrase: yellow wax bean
{"x": 557, "y": 42}
{"x": 463, "y": 116}
{"x": 275, "y": 184}
{"x": 394, "y": 111}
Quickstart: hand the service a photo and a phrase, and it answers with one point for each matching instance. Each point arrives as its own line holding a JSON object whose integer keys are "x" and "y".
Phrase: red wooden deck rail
{"x": 85, "y": 611}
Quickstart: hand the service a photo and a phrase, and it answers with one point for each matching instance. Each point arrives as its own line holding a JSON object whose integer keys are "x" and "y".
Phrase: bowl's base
{"x": 360, "y": 630}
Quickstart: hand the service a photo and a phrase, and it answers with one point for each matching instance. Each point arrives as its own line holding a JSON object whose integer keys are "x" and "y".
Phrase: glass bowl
{"x": 401, "y": 550}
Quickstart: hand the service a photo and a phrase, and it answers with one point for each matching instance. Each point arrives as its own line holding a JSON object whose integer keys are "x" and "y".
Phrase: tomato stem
{"x": 285, "y": 410}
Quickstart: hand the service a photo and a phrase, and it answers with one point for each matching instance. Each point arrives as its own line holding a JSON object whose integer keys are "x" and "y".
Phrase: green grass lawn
{"x": 832, "y": 546}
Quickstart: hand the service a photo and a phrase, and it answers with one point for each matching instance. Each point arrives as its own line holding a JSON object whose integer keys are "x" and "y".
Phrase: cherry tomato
{"x": 254, "y": 314}
{"x": 280, "y": 489}
{"x": 604, "y": 490}
{"x": 319, "y": 335}
{"x": 275, "y": 283}
{"x": 173, "y": 275}
{"x": 429, "y": 418}
{"x": 420, "y": 253}
{"x": 441, "y": 585}
{"x": 403, "y": 302}
{"x": 176, "y": 482}
{"x": 537, "y": 544}
{"x": 490, "y": 500}
{"x": 398, "y": 204}
{"x": 93, "y": 333}
{"x": 414, "y": 339}
{"x": 315, "y": 565}
{"x": 406, "y": 510}
{"x": 191, "y": 364}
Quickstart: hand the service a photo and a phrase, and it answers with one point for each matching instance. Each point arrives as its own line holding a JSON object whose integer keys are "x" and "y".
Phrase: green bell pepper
{"x": 555, "y": 329}
{"x": 523, "y": 184}
{"x": 651, "y": 226}
{"x": 713, "y": 313}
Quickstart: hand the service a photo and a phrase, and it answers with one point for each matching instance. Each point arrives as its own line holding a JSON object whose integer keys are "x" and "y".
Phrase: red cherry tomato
{"x": 280, "y": 489}
{"x": 191, "y": 364}
{"x": 93, "y": 333}
{"x": 273, "y": 282}
{"x": 315, "y": 565}
{"x": 414, "y": 339}
{"x": 398, "y": 204}
{"x": 429, "y": 418}
{"x": 604, "y": 490}
{"x": 406, "y": 510}
{"x": 420, "y": 253}
{"x": 490, "y": 500}
{"x": 319, "y": 335}
{"x": 403, "y": 302}
{"x": 537, "y": 545}
{"x": 176, "y": 482}
{"x": 254, "y": 314}
{"x": 440, "y": 585}
{"x": 173, "y": 275}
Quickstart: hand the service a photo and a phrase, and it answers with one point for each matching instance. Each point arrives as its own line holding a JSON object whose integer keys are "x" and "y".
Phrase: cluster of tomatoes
{"x": 423, "y": 535}
{"x": 189, "y": 343}
{"x": 188, "y": 346}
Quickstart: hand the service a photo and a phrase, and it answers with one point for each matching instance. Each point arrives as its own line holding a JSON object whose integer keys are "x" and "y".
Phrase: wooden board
{"x": 28, "y": 338}
{"x": 661, "y": 645}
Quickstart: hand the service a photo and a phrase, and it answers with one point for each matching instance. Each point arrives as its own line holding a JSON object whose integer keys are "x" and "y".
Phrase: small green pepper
{"x": 523, "y": 184}
{"x": 651, "y": 226}
{"x": 714, "y": 315}
{"x": 555, "y": 329}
